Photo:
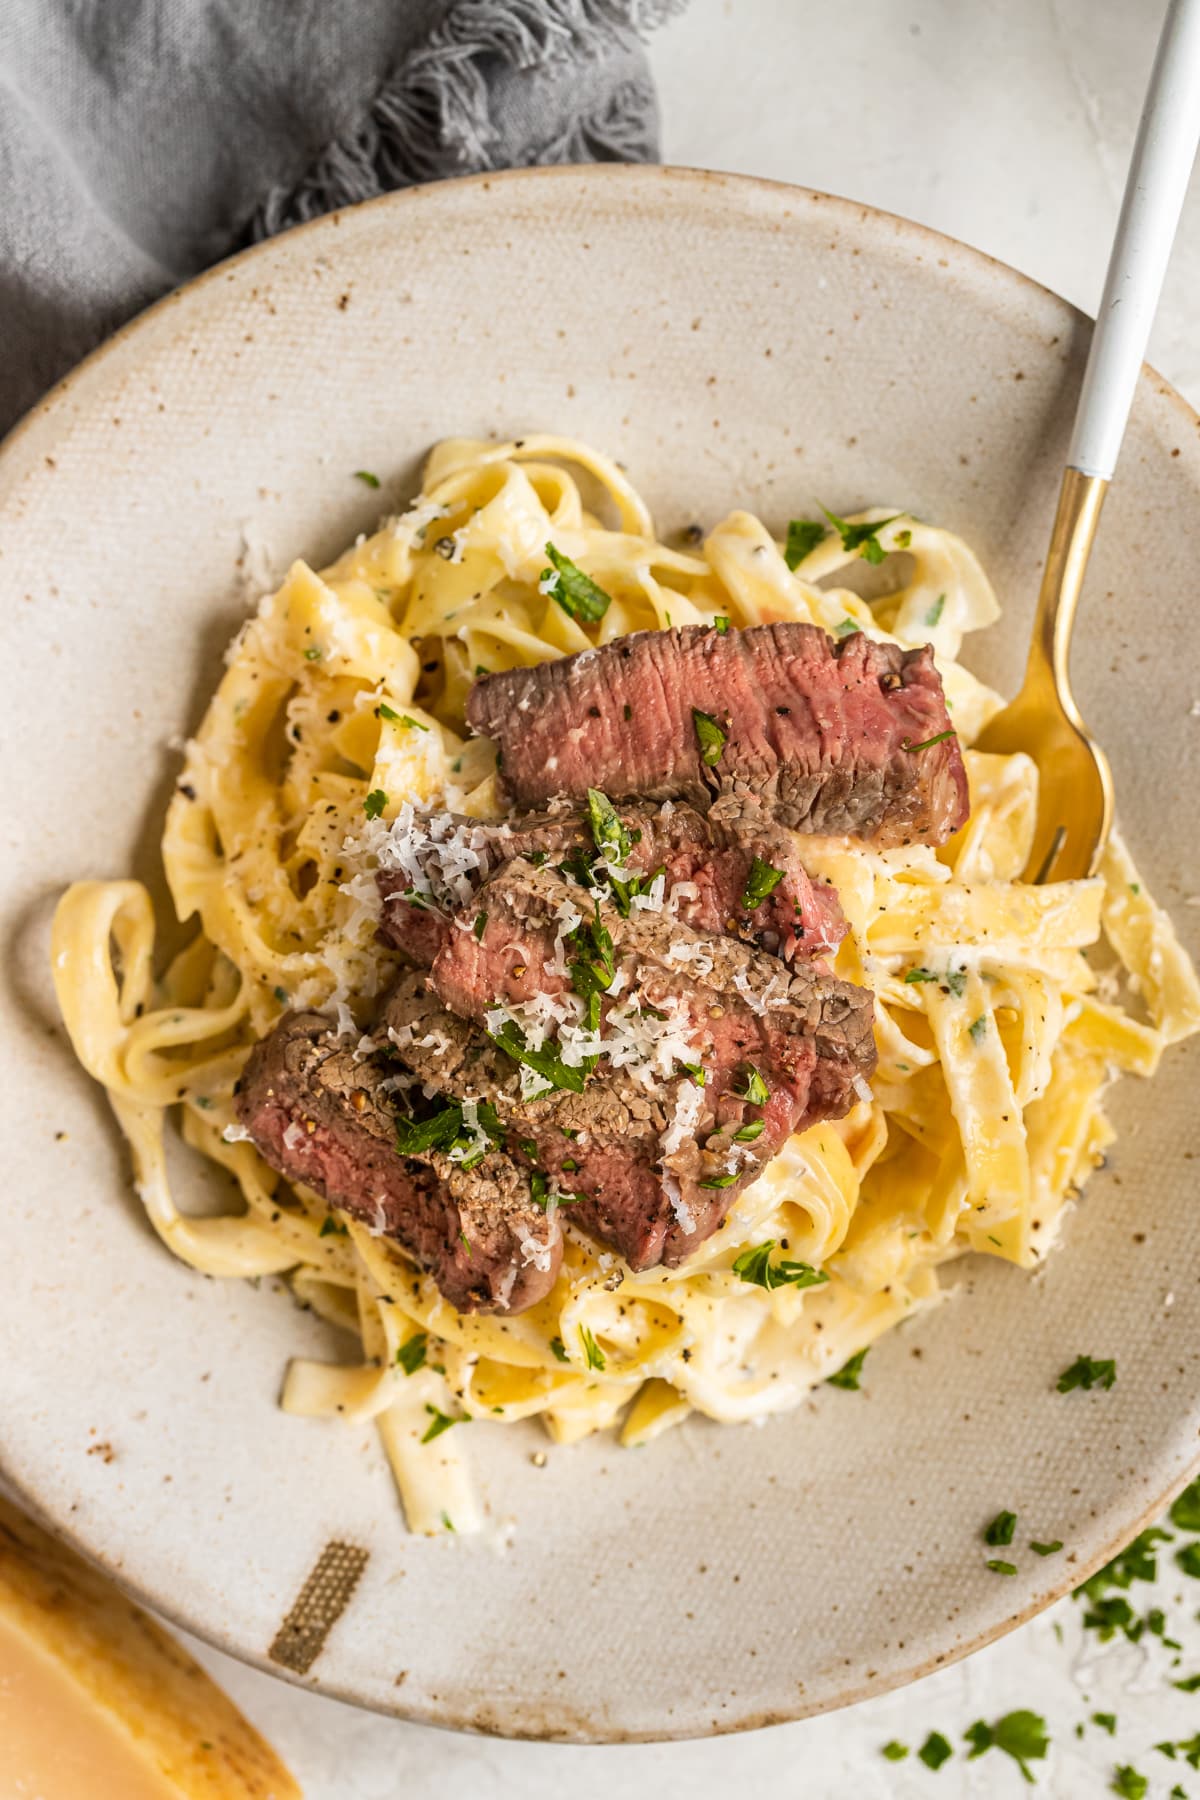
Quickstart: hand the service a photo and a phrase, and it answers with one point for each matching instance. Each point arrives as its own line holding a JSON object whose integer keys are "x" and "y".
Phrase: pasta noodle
{"x": 999, "y": 1025}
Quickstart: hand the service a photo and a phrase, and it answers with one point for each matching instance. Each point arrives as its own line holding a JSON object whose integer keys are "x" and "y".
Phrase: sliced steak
{"x": 823, "y": 733}
{"x": 706, "y": 857}
{"x": 323, "y": 1118}
{"x": 659, "y": 1161}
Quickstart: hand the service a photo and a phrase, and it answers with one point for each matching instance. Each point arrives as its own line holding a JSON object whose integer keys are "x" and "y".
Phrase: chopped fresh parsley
{"x": 846, "y": 627}
{"x": 444, "y": 1131}
{"x": 935, "y": 1751}
{"x": 847, "y": 1376}
{"x": 544, "y": 1062}
{"x": 999, "y": 1567}
{"x": 977, "y": 1028}
{"x": 709, "y": 736}
{"x": 559, "y": 1349}
{"x": 721, "y": 623}
{"x": 388, "y": 712}
{"x": 927, "y": 743}
{"x": 861, "y": 537}
{"x": 762, "y": 880}
{"x": 313, "y": 653}
{"x": 396, "y": 718}
{"x": 756, "y": 1266}
{"x": 1106, "y": 1722}
{"x": 803, "y": 536}
{"x": 411, "y": 1354}
{"x": 753, "y": 1089}
{"x": 1128, "y": 1783}
{"x": 1186, "y": 1510}
{"x": 1021, "y": 1735}
{"x": 935, "y": 611}
{"x": 718, "y": 1181}
{"x": 894, "y": 1752}
{"x": 1050, "y": 1549}
{"x": 1085, "y": 1372}
{"x": 608, "y": 834}
{"x": 438, "y": 1422}
{"x": 956, "y": 981}
{"x": 1188, "y": 1560}
{"x": 331, "y": 1228}
{"x": 578, "y": 595}
{"x": 366, "y": 477}
{"x": 480, "y": 926}
{"x": 1001, "y": 1529}
{"x": 912, "y": 976}
{"x": 748, "y": 1133}
{"x": 539, "y": 1189}
{"x": 591, "y": 1349}
{"x": 1188, "y": 1685}
{"x": 374, "y": 803}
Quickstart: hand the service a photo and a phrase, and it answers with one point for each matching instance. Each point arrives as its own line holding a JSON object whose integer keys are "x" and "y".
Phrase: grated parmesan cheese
{"x": 685, "y": 1117}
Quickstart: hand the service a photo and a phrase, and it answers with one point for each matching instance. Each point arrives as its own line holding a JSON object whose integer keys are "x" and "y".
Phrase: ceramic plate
{"x": 734, "y": 343}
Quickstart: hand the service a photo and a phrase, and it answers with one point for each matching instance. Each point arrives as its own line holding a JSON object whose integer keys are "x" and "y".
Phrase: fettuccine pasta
{"x": 1003, "y": 1011}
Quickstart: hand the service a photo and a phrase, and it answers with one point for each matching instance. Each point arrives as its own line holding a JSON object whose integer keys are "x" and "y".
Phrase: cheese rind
{"x": 103, "y": 1673}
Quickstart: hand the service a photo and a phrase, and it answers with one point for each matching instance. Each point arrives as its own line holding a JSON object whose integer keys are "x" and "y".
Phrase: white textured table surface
{"x": 1007, "y": 123}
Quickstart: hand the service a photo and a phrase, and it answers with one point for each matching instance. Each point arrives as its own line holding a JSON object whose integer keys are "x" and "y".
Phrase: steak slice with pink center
{"x": 710, "y": 860}
{"x": 323, "y": 1117}
{"x": 847, "y": 737}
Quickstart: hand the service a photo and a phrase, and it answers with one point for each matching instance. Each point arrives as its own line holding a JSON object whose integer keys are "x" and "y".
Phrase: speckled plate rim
{"x": 636, "y": 180}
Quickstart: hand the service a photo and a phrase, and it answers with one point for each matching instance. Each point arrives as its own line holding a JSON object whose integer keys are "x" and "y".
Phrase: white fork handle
{"x": 1158, "y": 177}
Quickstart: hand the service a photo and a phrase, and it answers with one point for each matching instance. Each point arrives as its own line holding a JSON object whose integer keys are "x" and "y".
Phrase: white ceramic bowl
{"x": 734, "y": 343}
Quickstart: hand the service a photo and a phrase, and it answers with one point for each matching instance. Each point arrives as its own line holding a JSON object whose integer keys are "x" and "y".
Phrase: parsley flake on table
{"x": 803, "y": 536}
{"x": 1049, "y": 1549}
{"x": 579, "y": 596}
{"x": 366, "y": 477}
{"x": 1021, "y": 1735}
{"x": 1188, "y": 1560}
{"x": 1128, "y": 1783}
{"x": 411, "y": 1354}
{"x": 1001, "y": 1529}
{"x": 755, "y": 1266}
{"x": 847, "y": 1376}
{"x": 861, "y": 537}
{"x": 999, "y": 1567}
{"x": 709, "y": 736}
{"x": 1085, "y": 1372}
{"x": 762, "y": 880}
{"x": 935, "y": 1751}
{"x": 894, "y": 1752}
{"x": 1186, "y": 1510}
{"x": 1106, "y": 1722}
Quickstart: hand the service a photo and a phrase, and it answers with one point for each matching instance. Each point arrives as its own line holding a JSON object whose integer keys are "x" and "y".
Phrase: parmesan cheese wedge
{"x": 97, "y": 1702}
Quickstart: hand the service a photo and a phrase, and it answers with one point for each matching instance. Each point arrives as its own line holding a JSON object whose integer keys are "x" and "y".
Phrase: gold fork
{"x": 1075, "y": 788}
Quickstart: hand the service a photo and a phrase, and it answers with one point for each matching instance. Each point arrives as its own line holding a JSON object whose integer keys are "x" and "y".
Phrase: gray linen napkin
{"x": 141, "y": 140}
